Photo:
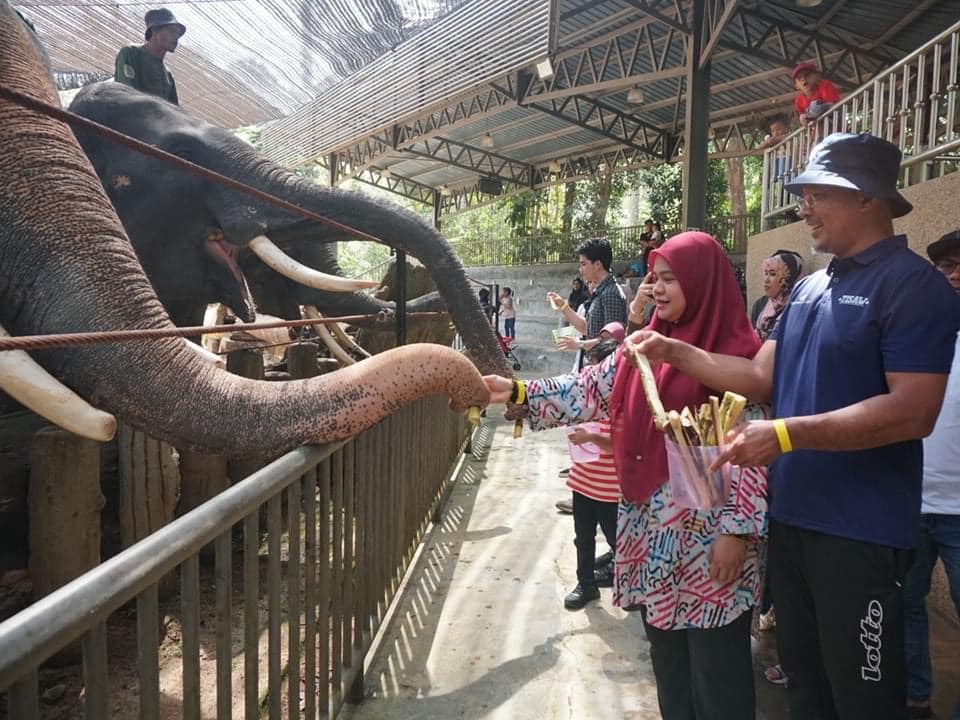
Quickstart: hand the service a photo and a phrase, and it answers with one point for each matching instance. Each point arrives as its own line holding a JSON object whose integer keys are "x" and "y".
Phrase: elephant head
{"x": 193, "y": 236}
{"x": 66, "y": 265}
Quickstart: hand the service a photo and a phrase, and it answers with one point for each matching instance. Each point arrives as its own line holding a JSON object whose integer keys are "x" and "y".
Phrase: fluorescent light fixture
{"x": 808, "y": 3}
{"x": 486, "y": 140}
{"x": 545, "y": 69}
{"x": 635, "y": 96}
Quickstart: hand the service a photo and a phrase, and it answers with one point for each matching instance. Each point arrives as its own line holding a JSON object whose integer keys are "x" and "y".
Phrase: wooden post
{"x": 149, "y": 480}
{"x": 247, "y": 362}
{"x": 302, "y": 360}
{"x": 64, "y": 503}
{"x": 202, "y": 476}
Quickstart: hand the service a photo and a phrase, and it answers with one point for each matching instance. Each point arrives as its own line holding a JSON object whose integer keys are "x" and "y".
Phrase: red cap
{"x": 803, "y": 67}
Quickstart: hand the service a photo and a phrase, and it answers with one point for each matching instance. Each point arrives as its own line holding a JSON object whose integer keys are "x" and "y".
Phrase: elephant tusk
{"x": 29, "y": 384}
{"x": 345, "y": 340}
{"x": 275, "y": 258}
{"x": 210, "y": 357}
{"x": 324, "y": 334}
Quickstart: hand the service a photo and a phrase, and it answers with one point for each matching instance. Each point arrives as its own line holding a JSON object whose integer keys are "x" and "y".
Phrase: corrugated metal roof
{"x": 241, "y": 61}
{"x": 389, "y": 98}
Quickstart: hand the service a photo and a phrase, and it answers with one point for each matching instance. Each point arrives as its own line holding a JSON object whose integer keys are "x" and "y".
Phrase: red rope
{"x": 142, "y": 147}
{"x": 35, "y": 342}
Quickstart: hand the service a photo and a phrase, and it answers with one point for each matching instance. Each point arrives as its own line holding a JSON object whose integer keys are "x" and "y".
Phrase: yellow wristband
{"x": 783, "y": 436}
{"x": 521, "y": 392}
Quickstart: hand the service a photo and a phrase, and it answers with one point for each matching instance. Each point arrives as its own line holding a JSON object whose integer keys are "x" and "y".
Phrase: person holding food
{"x": 693, "y": 573}
{"x": 856, "y": 369}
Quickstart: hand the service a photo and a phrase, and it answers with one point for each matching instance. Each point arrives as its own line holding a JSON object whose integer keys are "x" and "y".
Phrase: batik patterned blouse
{"x": 663, "y": 550}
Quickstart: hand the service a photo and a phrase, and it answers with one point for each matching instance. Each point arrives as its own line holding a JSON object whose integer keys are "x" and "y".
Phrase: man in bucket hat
{"x": 856, "y": 369}
{"x": 141, "y": 66}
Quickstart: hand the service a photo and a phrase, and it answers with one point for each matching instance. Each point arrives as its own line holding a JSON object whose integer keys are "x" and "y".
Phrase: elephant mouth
{"x": 225, "y": 255}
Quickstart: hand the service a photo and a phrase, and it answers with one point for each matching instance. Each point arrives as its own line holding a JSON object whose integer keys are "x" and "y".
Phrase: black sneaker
{"x": 601, "y": 560}
{"x": 564, "y": 506}
{"x": 581, "y": 595}
{"x": 603, "y": 575}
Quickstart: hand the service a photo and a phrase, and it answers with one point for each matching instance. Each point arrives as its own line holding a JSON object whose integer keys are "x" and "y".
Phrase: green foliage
{"x": 663, "y": 185}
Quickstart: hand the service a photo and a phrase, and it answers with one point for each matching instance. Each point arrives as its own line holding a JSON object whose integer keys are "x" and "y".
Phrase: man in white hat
{"x": 141, "y": 66}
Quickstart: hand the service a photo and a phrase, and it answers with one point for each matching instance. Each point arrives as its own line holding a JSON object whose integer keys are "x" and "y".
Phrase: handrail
{"x": 913, "y": 104}
{"x": 44, "y": 627}
{"x": 335, "y": 526}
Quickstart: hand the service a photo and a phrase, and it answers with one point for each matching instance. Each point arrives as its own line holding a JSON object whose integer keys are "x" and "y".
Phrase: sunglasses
{"x": 947, "y": 266}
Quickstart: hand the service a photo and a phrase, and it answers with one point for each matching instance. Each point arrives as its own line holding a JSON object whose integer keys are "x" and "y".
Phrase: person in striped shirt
{"x": 596, "y": 493}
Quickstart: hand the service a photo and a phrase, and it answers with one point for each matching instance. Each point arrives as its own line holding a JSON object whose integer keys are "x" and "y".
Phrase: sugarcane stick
{"x": 673, "y": 418}
{"x": 649, "y": 383}
{"x": 731, "y": 409}
{"x": 717, "y": 421}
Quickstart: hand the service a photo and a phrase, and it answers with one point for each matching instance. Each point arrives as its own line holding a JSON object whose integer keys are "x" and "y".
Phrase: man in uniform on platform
{"x": 141, "y": 66}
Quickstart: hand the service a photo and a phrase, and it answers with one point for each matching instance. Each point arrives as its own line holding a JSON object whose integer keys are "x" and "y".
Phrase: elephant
{"x": 191, "y": 235}
{"x": 67, "y": 265}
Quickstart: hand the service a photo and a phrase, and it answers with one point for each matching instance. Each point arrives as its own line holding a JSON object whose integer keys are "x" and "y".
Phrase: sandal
{"x": 775, "y": 674}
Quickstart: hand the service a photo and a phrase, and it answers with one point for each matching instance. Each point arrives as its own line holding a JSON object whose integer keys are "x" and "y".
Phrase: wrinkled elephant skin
{"x": 66, "y": 265}
{"x": 184, "y": 228}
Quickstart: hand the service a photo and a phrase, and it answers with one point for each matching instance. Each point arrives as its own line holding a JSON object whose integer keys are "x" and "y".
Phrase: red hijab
{"x": 715, "y": 319}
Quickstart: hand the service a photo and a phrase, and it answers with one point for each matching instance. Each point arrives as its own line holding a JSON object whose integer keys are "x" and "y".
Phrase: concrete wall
{"x": 936, "y": 210}
{"x": 535, "y": 318}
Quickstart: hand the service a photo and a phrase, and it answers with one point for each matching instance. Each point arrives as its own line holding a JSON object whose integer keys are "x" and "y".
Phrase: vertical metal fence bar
{"x": 251, "y": 616}
{"x": 337, "y": 578}
{"x": 274, "y": 610}
{"x": 223, "y": 570}
{"x": 935, "y": 91}
{"x": 294, "y": 590}
{"x": 190, "y": 620}
{"x": 148, "y": 660}
{"x": 310, "y": 599}
{"x": 23, "y": 697}
{"x": 349, "y": 567}
{"x": 323, "y": 629}
{"x": 953, "y": 88}
{"x": 360, "y": 552}
{"x": 94, "y": 649}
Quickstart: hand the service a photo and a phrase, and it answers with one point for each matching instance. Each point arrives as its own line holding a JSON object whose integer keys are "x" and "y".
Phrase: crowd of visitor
{"x": 848, "y": 370}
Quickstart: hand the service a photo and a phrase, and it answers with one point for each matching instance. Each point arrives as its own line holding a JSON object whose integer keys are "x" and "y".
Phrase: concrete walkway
{"x": 480, "y": 630}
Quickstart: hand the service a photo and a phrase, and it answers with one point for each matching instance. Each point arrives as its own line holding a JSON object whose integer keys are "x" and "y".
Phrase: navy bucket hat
{"x": 856, "y": 162}
{"x": 159, "y": 18}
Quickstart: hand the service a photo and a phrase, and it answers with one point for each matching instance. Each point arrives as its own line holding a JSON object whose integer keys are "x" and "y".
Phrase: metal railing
{"x": 732, "y": 231}
{"x": 913, "y": 104}
{"x": 342, "y": 524}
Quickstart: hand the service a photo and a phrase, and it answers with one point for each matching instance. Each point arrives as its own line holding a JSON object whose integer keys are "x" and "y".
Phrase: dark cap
{"x": 803, "y": 67}
{"x": 159, "y": 18}
{"x": 944, "y": 246}
{"x": 856, "y": 162}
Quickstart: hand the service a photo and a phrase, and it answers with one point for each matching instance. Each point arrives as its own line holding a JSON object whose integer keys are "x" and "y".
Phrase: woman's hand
{"x": 500, "y": 388}
{"x": 567, "y": 343}
{"x": 580, "y": 435}
{"x": 642, "y": 300}
{"x": 726, "y": 558}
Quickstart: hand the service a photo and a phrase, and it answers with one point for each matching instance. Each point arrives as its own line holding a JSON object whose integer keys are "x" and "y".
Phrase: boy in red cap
{"x": 816, "y": 93}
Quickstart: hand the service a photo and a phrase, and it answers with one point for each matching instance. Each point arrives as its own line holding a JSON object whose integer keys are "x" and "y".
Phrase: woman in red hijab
{"x": 694, "y": 574}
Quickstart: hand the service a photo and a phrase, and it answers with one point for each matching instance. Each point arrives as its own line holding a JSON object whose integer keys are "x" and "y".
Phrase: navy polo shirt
{"x": 883, "y": 310}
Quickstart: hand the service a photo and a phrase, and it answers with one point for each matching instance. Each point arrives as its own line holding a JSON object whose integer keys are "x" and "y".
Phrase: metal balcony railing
{"x": 913, "y": 104}
{"x": 300, "y": 601}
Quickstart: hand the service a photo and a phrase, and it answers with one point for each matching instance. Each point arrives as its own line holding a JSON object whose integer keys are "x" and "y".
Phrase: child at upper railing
{"x": 816, "y": 93}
